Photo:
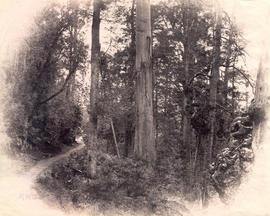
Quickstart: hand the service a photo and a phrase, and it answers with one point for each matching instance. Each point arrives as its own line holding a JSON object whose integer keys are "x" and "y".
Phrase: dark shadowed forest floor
{"x": 122, "y": 184}
{"x": 129, "y": 184}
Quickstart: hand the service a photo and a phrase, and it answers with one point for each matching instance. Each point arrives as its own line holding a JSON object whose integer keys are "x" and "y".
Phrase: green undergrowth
{"x": 120, "y": 183}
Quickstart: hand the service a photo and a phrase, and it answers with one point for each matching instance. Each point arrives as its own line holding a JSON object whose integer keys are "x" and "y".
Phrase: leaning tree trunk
{"x": 144, "y": 146}
{"x": 95, "y": 71}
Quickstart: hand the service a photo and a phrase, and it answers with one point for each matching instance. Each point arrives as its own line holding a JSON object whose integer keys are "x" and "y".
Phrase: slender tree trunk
{"x": 233, "y": 94}
{"x": 95, "y": 71}
{"x": 156, "y": 123}
{"x": 227, "y": 66}
{"x": 73, "y": 51}
{"x": 212, "y": 102}
{"x": 129, "y": 132}
{"x": 213, "y": 85}
{"x": 144, "y": 146}
{"x": 226, "y": 82}
{"x": 187, "y": 130}
{"x": 115, "y": 140}
{"x": 133, "y": 29}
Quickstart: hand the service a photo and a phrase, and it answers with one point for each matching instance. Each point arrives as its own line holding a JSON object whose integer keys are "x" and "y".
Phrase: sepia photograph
{"x": 134, "y": 107}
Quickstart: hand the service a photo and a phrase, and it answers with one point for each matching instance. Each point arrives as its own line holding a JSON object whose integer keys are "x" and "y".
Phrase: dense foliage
{"x": 49, "y": 96}
{"x": 43, "y": 113}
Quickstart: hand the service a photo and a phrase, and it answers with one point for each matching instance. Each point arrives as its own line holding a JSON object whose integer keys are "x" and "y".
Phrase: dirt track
{"x": 17, "y": 193}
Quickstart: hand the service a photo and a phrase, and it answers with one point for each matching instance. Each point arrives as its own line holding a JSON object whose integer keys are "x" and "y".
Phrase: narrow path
{"x": 17, "y": 193}
{"x": 43, "y": 164}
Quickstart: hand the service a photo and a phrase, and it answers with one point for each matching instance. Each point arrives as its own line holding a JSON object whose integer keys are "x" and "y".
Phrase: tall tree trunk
{"x": 129, "y": 132}
{"x": 213, "y": 85}
{"x": 95, "y": 71}
{"x": 212, "y": 102}
{"x": 233, "y": 93}
{"x": 73, "y": 34}
{"x": 227, "y": 66}
{"x": 144, "y": 146}
{"x": 226, "y": 80}
{"x": 187, "y": 130}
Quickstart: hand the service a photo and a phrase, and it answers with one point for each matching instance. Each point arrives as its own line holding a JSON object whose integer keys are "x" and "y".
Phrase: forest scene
{"x": 133, "y": 107}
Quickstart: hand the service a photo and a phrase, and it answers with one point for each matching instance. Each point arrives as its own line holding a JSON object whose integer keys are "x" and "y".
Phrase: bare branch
{"x": 242, "y": 73}
{"x": 197, "y": 75}
{"x": 222, "y": 107}
{"x": 109, "y": 46}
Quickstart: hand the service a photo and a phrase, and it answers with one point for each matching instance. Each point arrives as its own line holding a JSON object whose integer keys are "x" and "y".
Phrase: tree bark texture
{"x": 187, "y": 129}
{"x": 212, "y": 104}
{"x": 95, "y": 71}
{"x": 144, "y": 146}
{"x": 213, "y": 86}
{"x": 129, "y": 125}
{"x": 227, "y": 66}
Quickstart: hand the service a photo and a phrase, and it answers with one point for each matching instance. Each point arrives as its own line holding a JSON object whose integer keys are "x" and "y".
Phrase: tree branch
{"x": 197, "y": 75}
{"x": 109, "y": 46}
{"x": 62, "y": 89}
{"x": 222, "y": 107}
{"x": 243, "y": 74}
